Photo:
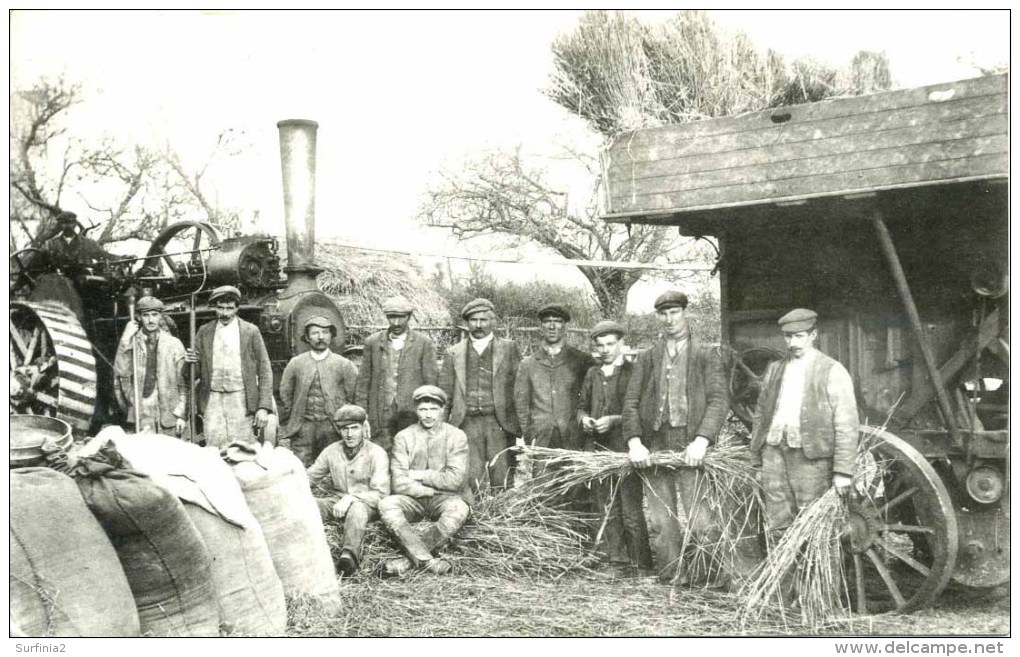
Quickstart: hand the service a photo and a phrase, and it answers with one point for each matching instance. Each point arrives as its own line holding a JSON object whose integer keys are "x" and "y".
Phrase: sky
{"x": 398, "y": 94}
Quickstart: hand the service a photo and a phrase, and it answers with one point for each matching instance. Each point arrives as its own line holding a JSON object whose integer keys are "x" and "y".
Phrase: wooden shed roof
{"x": 943, "y": 133}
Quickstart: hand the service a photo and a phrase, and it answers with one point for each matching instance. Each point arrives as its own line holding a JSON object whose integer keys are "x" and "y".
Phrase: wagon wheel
{"x": 746, "y": 375}
{"x": 901, "y": 533}
{"x": 174, "y": 249}
{"x": 52, "y": 370}
{"x": 21, "y": 281}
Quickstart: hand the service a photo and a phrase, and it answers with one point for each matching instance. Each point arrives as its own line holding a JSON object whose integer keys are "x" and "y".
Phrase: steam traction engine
{"x": 66, "y": 318}
{"x": 888, "y": 214}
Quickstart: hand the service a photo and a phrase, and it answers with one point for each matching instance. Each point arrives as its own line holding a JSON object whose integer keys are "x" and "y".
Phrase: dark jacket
{"x": 256, "y": 370}
{"x": 707, "y": 398}
{"x": 337, "y": 378}
{"x": 417, "y": 368}
{"x": 505, "y": 361}
{"x": 546, "y": 394}
{"x": 829, "y": 426}
{"x": 601, "y": 397}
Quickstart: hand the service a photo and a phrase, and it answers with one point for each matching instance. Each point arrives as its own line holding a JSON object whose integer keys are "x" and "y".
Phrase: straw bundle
{"x": 509, "y": 534}
{"x": 729, "y": 501}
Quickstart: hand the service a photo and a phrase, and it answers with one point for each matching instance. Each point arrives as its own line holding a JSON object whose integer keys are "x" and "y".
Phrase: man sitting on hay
{"x": 429, "y": 474}
{"x": 355, "y": 475}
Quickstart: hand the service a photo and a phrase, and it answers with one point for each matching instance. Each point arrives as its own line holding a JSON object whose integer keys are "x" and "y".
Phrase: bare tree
{"x": 499, "y": 194}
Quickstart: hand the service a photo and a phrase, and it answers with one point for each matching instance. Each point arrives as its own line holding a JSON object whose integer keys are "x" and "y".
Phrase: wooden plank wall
{"x": 939, "y": 133}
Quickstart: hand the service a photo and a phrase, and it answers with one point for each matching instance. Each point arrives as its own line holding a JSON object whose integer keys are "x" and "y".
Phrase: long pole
{"x": 191, "y": 372}
{"x": 135, "y": 391}
{"x": 942, "y": 397}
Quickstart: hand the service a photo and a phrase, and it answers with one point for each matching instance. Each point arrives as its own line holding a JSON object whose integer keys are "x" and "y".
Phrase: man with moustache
{"x": 805, "y": 424}
{"x": 396, "y": 361}
{"x": 600, "y": 413}
{"x": 235, "y": 387}
{"x": 315, "y": 384}
{"x": 70, "y": 246}
{"x": 676, "y": 400}
{"x": 354, "y": 474}
{"x": 478, "y": 377}
{"x": 548, "y": 385}
{"x": 149, "y": 355}
{"x": 429, "y": 476}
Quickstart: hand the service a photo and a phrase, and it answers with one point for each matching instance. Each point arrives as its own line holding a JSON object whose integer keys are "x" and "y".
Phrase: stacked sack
{"x": 65, "y": 578}
{"x": 248, "y": 591}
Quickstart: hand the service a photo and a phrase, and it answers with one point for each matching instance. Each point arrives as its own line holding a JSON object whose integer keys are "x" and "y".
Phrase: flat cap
{"x": 671, "y": 299}
{"x": 148, "y": 303}
{"x": 67, "y": 217}
{"x": 607, "y": 326}
{"x": 349, "y": 414}
{"x": 556, "y": 310}
{"x": 225, "y": 291}
{"x": 798, "y": 319}
{"x": 476, "y": 306}
{"x": 398, "y": 305}
{"x": 321, "y": 321}
{"x": 434, "y": 393}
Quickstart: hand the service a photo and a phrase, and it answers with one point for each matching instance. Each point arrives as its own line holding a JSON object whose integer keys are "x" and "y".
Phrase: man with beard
{"x": 676, "y": 400}
{"x": 428, "y": 472}
{"x": 478, "y": 376}
{"x": 805, "y": 424}
{"x": 235, "y": 388}
{"x": 396, "y": 361}
{"x": 314, "y": 386}
{"x": 548, "y": 385}
{"x": 153, "y": 360}
{"x": 355, "y": 475}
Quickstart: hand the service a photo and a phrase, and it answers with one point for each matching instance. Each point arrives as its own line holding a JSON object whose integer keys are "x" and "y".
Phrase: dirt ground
{"x": 579, "y": 606}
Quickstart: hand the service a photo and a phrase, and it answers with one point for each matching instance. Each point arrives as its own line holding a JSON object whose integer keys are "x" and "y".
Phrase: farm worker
{"x": 356, "y": 474}
{"x": 548, "y": 385}
{"x": 396, "y": 361}
{"x": 159, "y": 359}
{"x": 429, "y": 475}
{"x": 805, "y": 425}
{"x": 600, "y": 413}
{"x": 69, "y": 246}
{"x": 315, "y": 384}
{"x": 478, "y": 377}
{"x": 676, "y": 400}
{"x": 235, "y": 387}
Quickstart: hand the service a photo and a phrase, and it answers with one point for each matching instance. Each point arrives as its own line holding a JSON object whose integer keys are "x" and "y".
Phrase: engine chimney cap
{"x": 297, "y": 123}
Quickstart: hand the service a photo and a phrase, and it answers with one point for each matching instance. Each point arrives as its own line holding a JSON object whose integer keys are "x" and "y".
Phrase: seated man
{"x": 358, "y": 479}
{"x": 429, "y": 471}
{"x": 70, "y": 247}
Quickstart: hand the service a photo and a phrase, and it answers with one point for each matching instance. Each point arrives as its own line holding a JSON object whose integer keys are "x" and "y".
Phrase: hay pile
{"x": 512, "y": 534}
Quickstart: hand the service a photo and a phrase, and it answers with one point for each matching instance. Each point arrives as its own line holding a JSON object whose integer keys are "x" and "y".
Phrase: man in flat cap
{"x": 395, "y": 362}
{"x": 149, "y": 367}
{"x": 314, "y": 385}
{"x": 676, "y": 400}
{"x": 349, "y": 479}
{"x": 70, "y": 246}
{"x": 805, "y": 424}
{"x": 235, "y": 387}
{"x": 478, "y": 377}
{"x": 600, "y": 414}
{"x": 548, "y": 385}
{"x": 429, "y": 476}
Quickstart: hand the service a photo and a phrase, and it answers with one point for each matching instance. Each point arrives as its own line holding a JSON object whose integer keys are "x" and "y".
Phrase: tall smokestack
{"x": 297, "y": 154}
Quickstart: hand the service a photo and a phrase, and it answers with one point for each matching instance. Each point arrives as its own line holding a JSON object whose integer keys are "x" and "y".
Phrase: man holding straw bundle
{"x": 805, "y": 424}
{"x": 677, "y": 401}
{"x": 600, "y": 414}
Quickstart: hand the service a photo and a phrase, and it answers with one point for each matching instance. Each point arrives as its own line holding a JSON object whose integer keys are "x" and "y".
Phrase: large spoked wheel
{"x": 52, "y": 370}
{"x": 180, "y": 250}
{"x": 746, "y": 378}
{"x": 901, "y": 536}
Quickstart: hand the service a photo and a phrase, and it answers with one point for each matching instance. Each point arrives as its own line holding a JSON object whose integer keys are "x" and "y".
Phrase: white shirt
{"x": 552, "y": 350}
{"x": 226, "y": 374}
{"x": 481, "y": 344}
{"x": 791, "y": 396}
{"x": 608, "y": 370}
{"x": 397, "y": 341}
{"x": 317, "y": 356}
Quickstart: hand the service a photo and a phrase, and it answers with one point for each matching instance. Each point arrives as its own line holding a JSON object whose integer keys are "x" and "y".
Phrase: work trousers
{"x": 447, "y": 511}
{"x": 226, "y": 419}
{"x": 313, "y": 437}
{"x": 626, "y": 531}
{"x": 355, "y": 522}
{"x": 792, "y": 482}
{"x": 486, "y": 439}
